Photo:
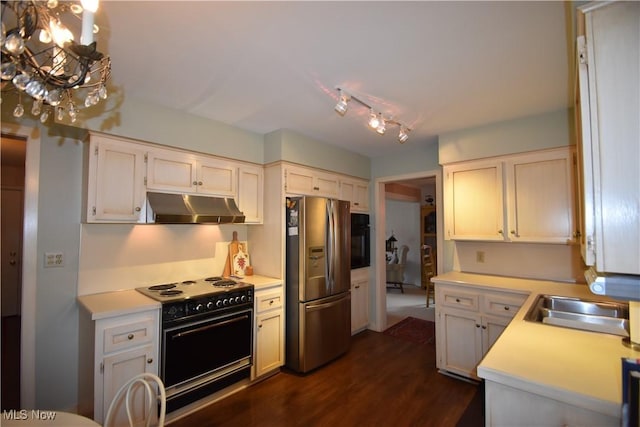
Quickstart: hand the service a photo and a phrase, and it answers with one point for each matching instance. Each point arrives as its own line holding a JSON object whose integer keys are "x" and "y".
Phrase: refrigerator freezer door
{"x": 326, "y": 329}
{"x": 340, "y": 238}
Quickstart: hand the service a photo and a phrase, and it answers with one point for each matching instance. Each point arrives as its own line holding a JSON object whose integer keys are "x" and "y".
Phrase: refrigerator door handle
{"x": 329, "y": 243}
{"x": 322, "y": 306}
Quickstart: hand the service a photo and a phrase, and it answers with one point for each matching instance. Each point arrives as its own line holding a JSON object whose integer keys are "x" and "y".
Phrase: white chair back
{"x": 154, "y": 393}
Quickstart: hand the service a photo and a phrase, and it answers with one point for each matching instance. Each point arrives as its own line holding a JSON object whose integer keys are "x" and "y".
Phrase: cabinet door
{"x": 613, "y": 55}
{"x": 540, "y": 197}
{"x": 116, "y": 189}
{"x": 269, "y": 342}
{"x": 357, "y": 193}
{"x": 359, "y": 305}
{"x": 492, "y": 328}
{"x": 474, "y": 201}
{"x": 216, "y": 177}
{"x": 327, "y": 185}
{"x": 118, "y": 369}
{"x": 462, "y": 344}
{"x": 250, "y": 193}
{"x": 171, "y": 171}
{"x": 299, "y": 181}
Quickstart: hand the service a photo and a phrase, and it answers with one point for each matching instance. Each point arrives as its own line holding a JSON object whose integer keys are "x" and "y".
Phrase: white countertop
{"x": 576, "y": 367}
{"x": 117, "y": 303}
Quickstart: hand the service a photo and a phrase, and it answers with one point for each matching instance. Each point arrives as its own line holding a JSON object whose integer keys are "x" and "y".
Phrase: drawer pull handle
{"x": 149, "y": 360}
{"x": 130, "y": 336}
{"x": 271, "y": 302}
{"x": 484, "y": 327}
{"x": 457, "y": 299}
{"x": 260, "y": 326}
{"x": 506, "y": 308}
{"x": 477, "y": 326}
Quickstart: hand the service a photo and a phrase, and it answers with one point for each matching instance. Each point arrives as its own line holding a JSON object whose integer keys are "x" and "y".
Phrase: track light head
{"x": 382, "y": 125}
{"x": 403, "y": 135}
{"x": 342, "y": 106}
{"x": 374, "y": 120}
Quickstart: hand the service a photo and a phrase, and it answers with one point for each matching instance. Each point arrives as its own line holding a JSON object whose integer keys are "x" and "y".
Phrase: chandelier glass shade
{"x": 376, "y": 121}
{"x": 42, "y": 62}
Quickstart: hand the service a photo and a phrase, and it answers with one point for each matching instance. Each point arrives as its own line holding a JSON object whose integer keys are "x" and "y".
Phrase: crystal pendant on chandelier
{"x": 41, "y": 58}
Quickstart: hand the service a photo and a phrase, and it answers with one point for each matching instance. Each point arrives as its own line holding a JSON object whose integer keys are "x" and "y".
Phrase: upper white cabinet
{"x": 310, "y": 182}
{"x": 251, "y": 192}
{"x": 521, "y": 198}
{"x": 115, "y": 181}
{"x": 357, "y": 192}
{"x": 176, "y": 171}
{"x": 609, "y": 112}
{"x": 474, "y": 201}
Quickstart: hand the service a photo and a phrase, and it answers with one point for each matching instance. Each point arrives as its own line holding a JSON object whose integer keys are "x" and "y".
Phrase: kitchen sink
{"x": 588, "y": 315}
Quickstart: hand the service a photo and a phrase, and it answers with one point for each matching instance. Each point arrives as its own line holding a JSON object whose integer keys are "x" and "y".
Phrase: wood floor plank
{"x": 381, "y": 381}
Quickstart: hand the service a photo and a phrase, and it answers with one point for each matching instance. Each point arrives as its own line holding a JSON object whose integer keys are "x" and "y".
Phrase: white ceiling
{"x": 263, "y": 66}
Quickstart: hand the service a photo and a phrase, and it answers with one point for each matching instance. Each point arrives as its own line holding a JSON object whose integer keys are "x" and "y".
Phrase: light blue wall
{"x": 549, "y": 130}
{"x": 406, "y": 159}
{"x": 293, "y": 147}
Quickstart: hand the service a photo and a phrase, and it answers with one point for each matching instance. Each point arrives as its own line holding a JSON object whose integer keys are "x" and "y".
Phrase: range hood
{"x": 166, "y": 208}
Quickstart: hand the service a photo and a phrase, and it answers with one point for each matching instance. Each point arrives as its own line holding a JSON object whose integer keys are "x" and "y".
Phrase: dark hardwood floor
{"x": 381, "y": 381}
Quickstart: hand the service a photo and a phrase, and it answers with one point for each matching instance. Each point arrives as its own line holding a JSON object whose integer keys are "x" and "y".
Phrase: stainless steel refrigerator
{"x": 318, "y": 274}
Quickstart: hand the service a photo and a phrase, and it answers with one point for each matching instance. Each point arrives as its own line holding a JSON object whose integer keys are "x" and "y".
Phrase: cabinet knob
{"x": 195, "y": 182}
{"x": 199, "y": 182}
{"x": 271, "y": 302}
{"x": 260, "y": 326}
{"x": 457, "y": 299}
{"x": 149, "y": 360}
{"x": 130, "y": 336}
{"x": 500, "y": 232}
{"x": 138, "y": 209}
{"x": 506, "y": 308}
{"x": 514, "y": 233}
{"x": 484, "y": 327}
{"x": 477, "y": 326}
{"x": 316, "y": 188}
{"x": 357, "y": 286}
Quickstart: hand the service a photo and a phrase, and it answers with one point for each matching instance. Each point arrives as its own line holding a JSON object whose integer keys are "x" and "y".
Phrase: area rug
{"x": 417, "y": 331}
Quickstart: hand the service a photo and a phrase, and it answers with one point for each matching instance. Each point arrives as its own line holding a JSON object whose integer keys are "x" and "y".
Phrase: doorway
{"x": 13, "y": 156}
{"x": 426, "y": 184}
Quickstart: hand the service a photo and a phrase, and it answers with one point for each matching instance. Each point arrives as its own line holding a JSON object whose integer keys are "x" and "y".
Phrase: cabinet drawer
{"x": 129, "y": 335}
{"x": 268, "y": 301}
{"x": 506, "y": 305}
{"x": 458, "y": 299}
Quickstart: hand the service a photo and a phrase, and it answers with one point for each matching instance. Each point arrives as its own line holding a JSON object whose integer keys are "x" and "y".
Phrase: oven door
{"x": 197, "y": 351}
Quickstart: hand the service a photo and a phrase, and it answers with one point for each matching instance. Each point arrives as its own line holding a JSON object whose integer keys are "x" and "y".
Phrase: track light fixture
{"x": 376, "y": 121}
{"x": 342, "y": 106}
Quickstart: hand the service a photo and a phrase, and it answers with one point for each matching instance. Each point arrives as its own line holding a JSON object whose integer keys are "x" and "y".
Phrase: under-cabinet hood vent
{"x": 165, "y": 208}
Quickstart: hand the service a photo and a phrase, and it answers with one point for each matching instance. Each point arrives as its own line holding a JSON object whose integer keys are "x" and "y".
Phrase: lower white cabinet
{"x": 508, "y": 406}
{"x": 269, "y": 331}
{"x": 468, "y": 321}
{"x": 359, "y": 299}
{"x": 113, "y": 350}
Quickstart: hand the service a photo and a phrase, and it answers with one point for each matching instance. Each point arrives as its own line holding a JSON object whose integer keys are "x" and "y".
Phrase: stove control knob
{"x": 199, "y": 308}
{"x": 237, "y": 300}
{"x": 219, "y": 303}
{"x": 210, "y": 305}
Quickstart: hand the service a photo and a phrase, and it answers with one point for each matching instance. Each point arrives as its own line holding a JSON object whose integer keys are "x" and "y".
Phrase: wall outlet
{"x": 480, "y": 256}
{"x": 53, "y": 259}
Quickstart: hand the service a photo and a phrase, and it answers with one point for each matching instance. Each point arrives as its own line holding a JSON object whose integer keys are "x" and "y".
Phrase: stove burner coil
{"x": 213, "y": 279}
{"x": 188, "y": 282}
{"x": 224, "y": 284}
{"x": 162, "y": 287}
{"x": 170, "y": 292}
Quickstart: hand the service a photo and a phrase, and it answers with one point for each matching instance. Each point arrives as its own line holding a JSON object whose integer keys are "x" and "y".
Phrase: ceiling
{"x": 263, "y": 66}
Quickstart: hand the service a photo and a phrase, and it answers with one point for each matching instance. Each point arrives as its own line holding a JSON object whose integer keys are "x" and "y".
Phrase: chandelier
{"x": 376, "y": 120}
{"x": 42, "y": 62}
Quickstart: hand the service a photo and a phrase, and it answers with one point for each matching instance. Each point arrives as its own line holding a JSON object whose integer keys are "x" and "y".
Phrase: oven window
{"x": 198, "y": 348}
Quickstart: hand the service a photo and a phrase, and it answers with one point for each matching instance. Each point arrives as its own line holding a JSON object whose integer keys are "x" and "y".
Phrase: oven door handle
{"x": 205, "y": 328}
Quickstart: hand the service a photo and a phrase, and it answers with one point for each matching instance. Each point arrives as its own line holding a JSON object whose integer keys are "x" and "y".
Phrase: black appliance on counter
{"x": 360, "y": 241}
{"x": 206, "y": 336}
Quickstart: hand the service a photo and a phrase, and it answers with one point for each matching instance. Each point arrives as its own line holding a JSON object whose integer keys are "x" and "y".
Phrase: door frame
{"x": 380, "y": 295}
{"x": 29, "y": 260}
